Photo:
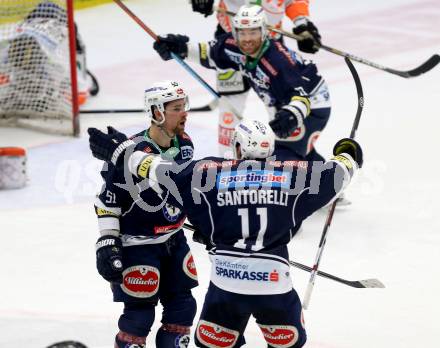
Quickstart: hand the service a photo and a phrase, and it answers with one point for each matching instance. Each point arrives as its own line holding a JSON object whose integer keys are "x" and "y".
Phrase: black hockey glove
{"x": 198, "y": 237}
{"x": 311, "y": 39}
{"x": 109, "y": 258}
{"x": 203, "y": 6}
{"x": 171, "y": 43}
{"x": 351, "y": 147}
{"x": 108, "y": 147}
{"x": 285, "y": 122}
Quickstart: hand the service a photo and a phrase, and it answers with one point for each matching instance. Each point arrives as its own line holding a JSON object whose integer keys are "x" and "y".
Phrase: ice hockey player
{"x": 231, "y": 84}
{"x": 142, "y": 250}
{"x": 34, "y": 62}
{"x": 291, "y": 88}
{"x": 248, "y": 210}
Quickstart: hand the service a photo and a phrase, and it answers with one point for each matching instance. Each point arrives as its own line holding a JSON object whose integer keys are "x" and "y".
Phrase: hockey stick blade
{"x": 208, "y": 107}
{"x": 366, "y": 283}
{"x": 425, "y": 67}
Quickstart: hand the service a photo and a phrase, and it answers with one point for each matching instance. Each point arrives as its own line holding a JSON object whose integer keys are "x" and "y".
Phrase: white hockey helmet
{"x": 161, "y": 93}
{"x": 249, "y": 17}
{"x": 256, "y": 139}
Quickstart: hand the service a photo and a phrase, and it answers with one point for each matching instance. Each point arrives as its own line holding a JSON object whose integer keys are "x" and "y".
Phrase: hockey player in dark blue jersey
{"x": 291, "y": 88}
{"x": 142, "y": 250}
{"x": 247, "y": 210}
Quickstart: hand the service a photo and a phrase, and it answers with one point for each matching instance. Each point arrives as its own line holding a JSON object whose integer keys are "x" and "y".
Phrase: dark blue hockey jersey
{"x": 276, "y": 77}
{"x": 138, "y": 212}
{"x": 250, "y": 205}
{"x": 248, "y": 210}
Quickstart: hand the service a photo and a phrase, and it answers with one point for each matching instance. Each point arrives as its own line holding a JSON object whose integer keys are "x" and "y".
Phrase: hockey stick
{"x": 331, "y": 211}
{"x": 208, "y": 107}
{"x": 366, "y": 283}
{"x": 421, "y": 69}
{"x": 179, "y": 60}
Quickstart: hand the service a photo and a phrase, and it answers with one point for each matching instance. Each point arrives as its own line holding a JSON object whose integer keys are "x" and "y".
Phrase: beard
{"x": 179, "y": 129}
{"x": 250, "y": 47}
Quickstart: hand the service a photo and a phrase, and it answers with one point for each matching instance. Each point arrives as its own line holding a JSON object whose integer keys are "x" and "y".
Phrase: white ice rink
{"x": 50, "y": 289}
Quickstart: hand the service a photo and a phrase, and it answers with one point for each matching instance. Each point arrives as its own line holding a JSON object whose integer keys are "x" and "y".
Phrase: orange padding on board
{"x": 12, "y": 151}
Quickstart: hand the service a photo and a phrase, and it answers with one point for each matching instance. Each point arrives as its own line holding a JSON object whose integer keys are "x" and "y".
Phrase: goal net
{"x": 38, "y": 87}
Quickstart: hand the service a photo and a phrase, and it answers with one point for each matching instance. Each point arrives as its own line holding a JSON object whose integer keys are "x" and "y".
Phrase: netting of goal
{"x": 38, "y": 87}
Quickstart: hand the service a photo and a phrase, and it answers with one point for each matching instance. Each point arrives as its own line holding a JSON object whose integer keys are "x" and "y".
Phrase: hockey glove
{"x": 351, "y": 147}
{"x": 108, "y": 147}
{"x": 286, "y": 120}
{"x": 109, "y": 258}
{"x": 310, "y": 37}
{"x": 203, "y": 6}
{"x": 198, "y": 237}
{"x": 171, "y": 43}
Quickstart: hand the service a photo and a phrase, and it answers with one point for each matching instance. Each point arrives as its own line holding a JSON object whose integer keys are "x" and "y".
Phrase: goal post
{"x": 38, "y": 74}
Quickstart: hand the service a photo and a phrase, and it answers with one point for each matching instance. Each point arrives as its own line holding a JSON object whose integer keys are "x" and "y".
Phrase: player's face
{"x": 175, "y": 116}
{"x": 249, "y": 40}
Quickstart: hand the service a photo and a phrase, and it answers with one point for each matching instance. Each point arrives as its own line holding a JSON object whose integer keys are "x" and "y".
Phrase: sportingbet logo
{"x": 253, "y": 179}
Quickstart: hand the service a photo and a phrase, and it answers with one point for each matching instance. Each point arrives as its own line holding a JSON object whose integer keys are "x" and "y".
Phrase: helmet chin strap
{"x": 161, "y": 127}
{"x": 164, "y": 132}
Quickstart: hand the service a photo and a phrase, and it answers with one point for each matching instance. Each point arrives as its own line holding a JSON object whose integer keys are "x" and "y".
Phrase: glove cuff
{"x": 297, "y": 113}
{"x": 348, "y": 164}
{"x": 120, "y": 149}
{"x": 299, "y": 107}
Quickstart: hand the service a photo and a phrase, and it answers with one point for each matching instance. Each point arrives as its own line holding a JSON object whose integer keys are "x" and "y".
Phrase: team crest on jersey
{"x": 215, "y": 336}
{"x": 141, "y": 281}
{"x": 189, "y": 266}
{"x": 255, "y": 178}
{"x": 171, "y": 212}
{"x": 182, "y": 341}
{"x": 279, "y": 336}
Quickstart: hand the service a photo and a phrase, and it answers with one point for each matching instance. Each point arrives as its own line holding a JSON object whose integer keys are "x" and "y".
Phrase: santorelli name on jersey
{"x": 252, "y": 196}
{"x": 254, "y": 178}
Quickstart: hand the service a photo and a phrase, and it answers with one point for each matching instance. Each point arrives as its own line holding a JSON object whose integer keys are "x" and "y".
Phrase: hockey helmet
{"x": 256, "y": 140}
{"x": 161, "y": 93}
{"x": 249, "y": 17}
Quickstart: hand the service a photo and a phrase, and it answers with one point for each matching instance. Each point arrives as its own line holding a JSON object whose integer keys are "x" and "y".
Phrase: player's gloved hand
{"x": 311, "y": 39}
{"x": 109, "y": 258}
{"x": 171, "y": 43}
{"x": 286, "y": 121}
{"x": 198, "y": 237}
{"x": 108, "y": 147}
{"x": 203, "y": 6}
{"x": 351, "y": 147}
